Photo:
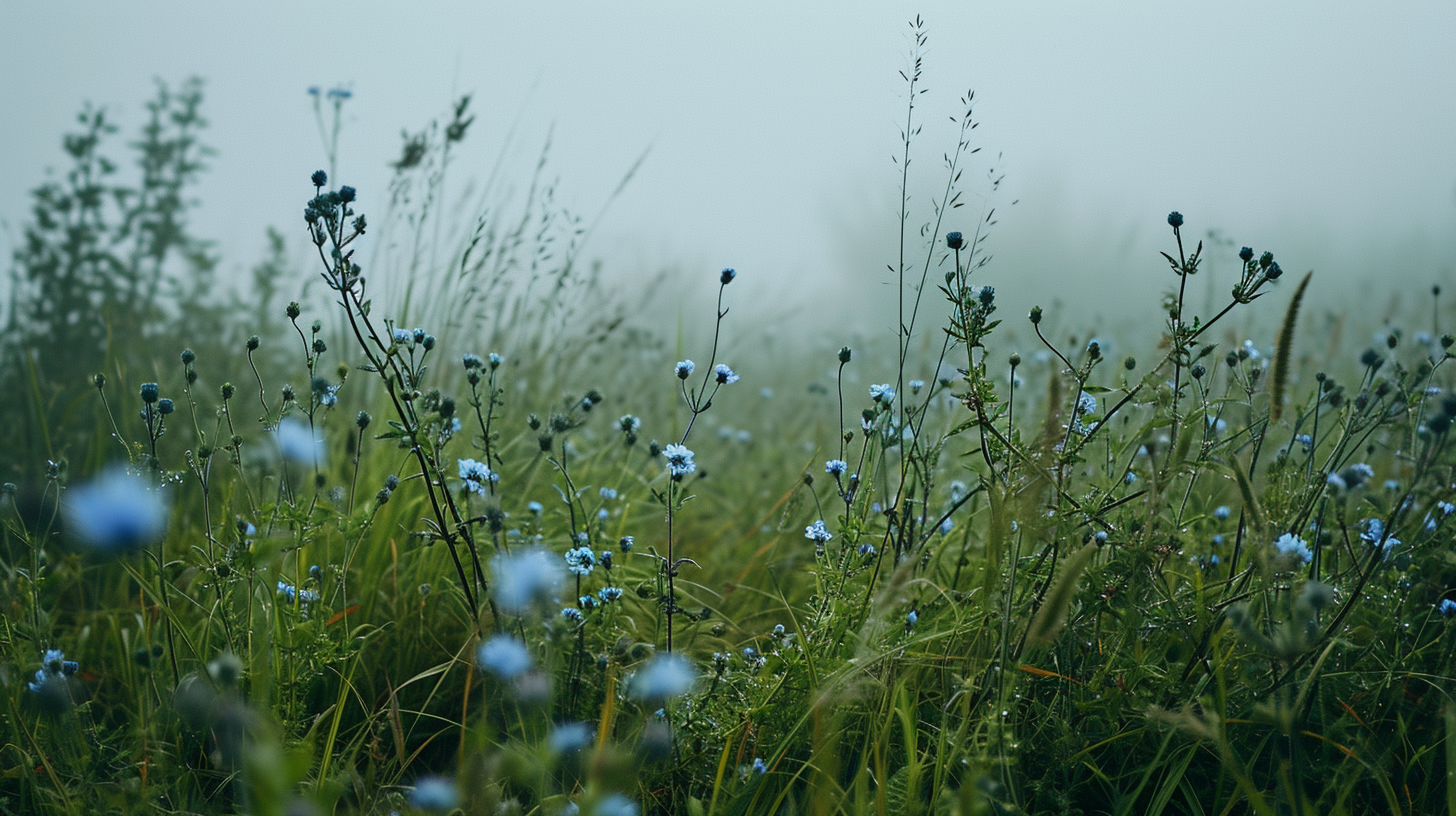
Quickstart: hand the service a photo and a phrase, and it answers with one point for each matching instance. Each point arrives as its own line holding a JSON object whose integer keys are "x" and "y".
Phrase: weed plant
{"x": 495, "y": 554}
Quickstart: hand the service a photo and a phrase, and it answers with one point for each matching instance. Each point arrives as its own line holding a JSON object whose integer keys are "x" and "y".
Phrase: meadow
{"x": 424, "y": 519}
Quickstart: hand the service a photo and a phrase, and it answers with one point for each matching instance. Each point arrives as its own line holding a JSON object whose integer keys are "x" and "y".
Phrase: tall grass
{"x": 522, "y": 560}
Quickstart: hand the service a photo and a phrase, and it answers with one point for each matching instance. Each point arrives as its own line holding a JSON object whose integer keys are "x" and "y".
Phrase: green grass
{"x": 1059, "y": 596}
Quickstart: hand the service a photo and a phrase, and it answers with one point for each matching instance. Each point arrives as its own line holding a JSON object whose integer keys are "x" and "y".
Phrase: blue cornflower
{"x": 1246, "y": 254}
{"x": 434, "y": 794}
{"x": 572, "y": 614}
{"x": 116, "y": 513}
{"x": 882, "y": 392}
{"x": 603, "y": 514}
{"x": 505, "y": 657}
{"x": 299, "y": 443}
{"x": 569, "y": 737}
{"x": 836, "y": 466}
{"x": 818, "y": 532}
{"x": 476, "y": 474}
{"x": 609, "y": 594}
{"x": 666, "y": 675}
{"x": 329, "y": 396}
{"x": 1290, "y": 544}
{"x": 725, "y": 374}
{"x": 684, "y": 369}
{"x": 524, "y": 577}
{"x": 1374, "y": 530}
{"x": 581, "y": 560}
{"x": 586, "y": 602}
{"x": 867, "y": 550}
{"x": 605, "y": 556}
{"x": 679, "y": 460}
{"x": 291, "y": 593}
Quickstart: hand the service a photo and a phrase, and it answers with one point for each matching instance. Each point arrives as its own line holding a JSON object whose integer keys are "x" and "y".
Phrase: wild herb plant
{"x": 440, "y": 555}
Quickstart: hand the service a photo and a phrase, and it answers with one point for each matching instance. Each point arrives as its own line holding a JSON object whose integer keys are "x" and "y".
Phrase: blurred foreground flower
{"x": 117, "y": 512}
{"x": 665, "y": 676}
{"x": 299, "y": 443}
{"x": 524, "y": 578}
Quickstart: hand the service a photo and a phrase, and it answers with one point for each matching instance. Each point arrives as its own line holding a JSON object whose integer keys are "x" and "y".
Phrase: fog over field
{"x": 1323, "y": 132}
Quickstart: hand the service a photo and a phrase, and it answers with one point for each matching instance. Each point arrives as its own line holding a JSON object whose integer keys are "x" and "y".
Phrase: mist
{"x": 1321, "y": 132}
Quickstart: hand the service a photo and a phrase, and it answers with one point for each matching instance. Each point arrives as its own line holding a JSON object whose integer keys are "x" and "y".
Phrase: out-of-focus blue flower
{"x": 116, "y": 513}
{"x": 535, "y": 508}
{"x": 679, "y": 460}
{"x": 666, "y": 675}
{"x": 523, "y": 578}
{"x": 759, "y": 766}
{"x": 1086, "y": 404}
{"x": 615, "y": 804}
{"x": 403, "y": 337}
{"x": 1448, "y": 607}
{"x": 300, "y": 444}
{"x": 608, "y": 493}
{"x": 1221, "y": 512}
{"x": 568, "y": 737}
{"x": 505, "y": 657}
{"x": 434, "y": 794}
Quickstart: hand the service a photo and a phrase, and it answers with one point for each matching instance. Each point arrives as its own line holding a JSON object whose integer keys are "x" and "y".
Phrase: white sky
{"x": 1323, "y": 131}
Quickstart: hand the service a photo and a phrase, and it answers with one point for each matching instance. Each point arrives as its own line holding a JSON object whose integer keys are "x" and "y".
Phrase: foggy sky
{"x": 1323, "y": 131}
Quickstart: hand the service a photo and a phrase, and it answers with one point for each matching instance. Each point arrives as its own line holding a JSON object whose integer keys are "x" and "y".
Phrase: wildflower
{"x": 328, "y": 397}
{"x": 476, "y": 474}
{"x": 1130, "y": 477}
{"x": 836, "y": 466}
{"x": 1448, "y": 607}
{"x": 1446, "y": 508}
{"x": 1100, "y": 536}
{"x": 523, "y": 578}
{"x": 472, "y": 361}
{"x": 947, "y": 525}
{"x": 1374, "y": 530}
{"x": 572, "y": 614}
{"x": 1246, "y": 254}
{"x": 954, "y": 240}
{"x": 605, "y": 556}
{"x": 433, "y": 794}
{"x": 116, "y": 513}
{"x": 912, "y": 618}
{"x": 679, "y": 460}
{"x": 629, "y": 423}
{"x": 1221, "y": 512}
{"x": 569, "y": 737}
{"x": 608, "y": 493}
{"x": 403, "y": 337}
{"x": 505, "y": 657}
{"x": 817, "y": 532}
{"x": 299, "y": 443}
{"x": 1290, "y": 544}
{"x": 626, "y": 543}
{"x": 759, "y": 766}
{"x": 725, "y": 374}
{"x": 581, "y": 560}
{"x": 916, "y": 385}
{"x": 1357, "y": 474}
{"x": 615, "y": 804}
{"x": 495, "y": 360}
{"x": 727, "y": 276}
{"x": 609, "y": 594}
{"x": 1305, "y": 441}
{"x": 867, "y": 550}
{"x": 684, "y": 369}
{"x": 666, "y": 675}
{"x": 54, "y": 667}
{"x": 883, "y": 393}
{"x": 1175, "y": 219}
{"x": 1086, "y": 404}
{"x": 292, "y": 594}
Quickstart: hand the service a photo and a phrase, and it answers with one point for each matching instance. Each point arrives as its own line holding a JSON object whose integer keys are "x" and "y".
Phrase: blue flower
{"x": 299, "y": 443}
{"x": 403, "y": 337}
{"x": 476, "y": 474}
{"x": 836, "y": 466}
{"x": 608, "y": 493}
{"x": 1374, "y": 530}
{"x": 505, "y": 657}
{"x": 1290, "y": 544}
{"x": 572, "y": 614}
{"x": 883, "y": 392}
{"x": 569, "y": 737}
{"x": 1448, "y": 607}
{"x": 472, "y": 361}
{"x": 54, "y": 668}
{"x": 609, "y": 594}
{"x": 666, "y": 675}
{"x": 947, "y": 525}
{"x": 1221, "y": 512}
{"x": 867, "y": 550}
{"x": 818, "y": 532}
{"x": 626, "y": 543}
{"x": 727, "y": 276}
{"x": 605, "y": 556}
{"x": 615, "y": 804}
{"x": 916, "y": 385}
{"x": 684, "y": 369}
{"x": 759, "y": 766}
{"x": 1086, "y": 404}
{"x": 629, "y": 423}
{"x": 433, "y": 794}
{"x": 581, "y": 560}
{"x": 679, "y": 460}
{"x": 494, "y": 359}
{"x": 725, "y": 374}
{"x": 523, "y": 578}
{"x": 535, "y": 507}
{"x": 116, "y": 513}
{"x": 912, "y": 618}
